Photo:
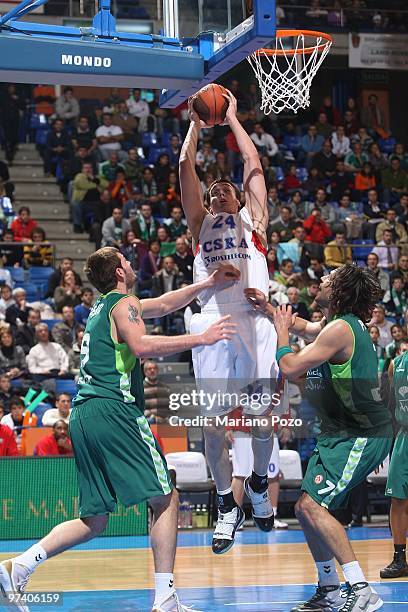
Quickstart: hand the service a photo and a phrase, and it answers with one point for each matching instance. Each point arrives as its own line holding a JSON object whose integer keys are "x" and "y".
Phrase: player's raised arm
{"x": 254, "y": 181}
{"x": 335, "y": 340}
{"x": 128, "y": 326}
{"x": 191, "y": 192}
{"x": 224, "y": 276}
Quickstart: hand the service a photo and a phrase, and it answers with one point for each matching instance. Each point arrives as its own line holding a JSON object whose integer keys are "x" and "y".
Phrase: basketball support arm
{"x": 102, "y": 56}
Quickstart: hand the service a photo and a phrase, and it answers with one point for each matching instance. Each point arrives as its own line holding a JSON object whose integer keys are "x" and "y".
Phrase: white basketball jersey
{"x": 230, "y": 239}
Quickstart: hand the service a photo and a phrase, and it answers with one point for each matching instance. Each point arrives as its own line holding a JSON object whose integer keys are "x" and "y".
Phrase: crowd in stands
{"x": 337, "y": 191}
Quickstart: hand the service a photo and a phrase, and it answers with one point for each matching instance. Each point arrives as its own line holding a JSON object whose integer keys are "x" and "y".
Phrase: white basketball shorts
{"x": 243, "y": 458}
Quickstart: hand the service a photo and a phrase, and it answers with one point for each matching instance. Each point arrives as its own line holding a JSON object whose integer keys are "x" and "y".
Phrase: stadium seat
{"x": 279, "y": 173}
{"x": 31, "y": 290}
{"x": 41, "y": 137}
{"x": 39, "y": 277}
{"x": 63, "y": 385}
{"x": 291, "y": 468}
{"x": 387, "y": 145}
{"x": 50, "y": 322}
{"x": 361, "y": 252}
{"x": 166, "y": 136}
{"x": 155, "y": 152}
{"x": 292, "y": 143}
{"x": 149, "y": 139}
{"x": 17, "y": 274}
{"x": 302, "y": 174}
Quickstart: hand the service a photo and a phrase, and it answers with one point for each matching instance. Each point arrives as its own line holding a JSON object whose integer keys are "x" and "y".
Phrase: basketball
{"x": 210, "y": 105}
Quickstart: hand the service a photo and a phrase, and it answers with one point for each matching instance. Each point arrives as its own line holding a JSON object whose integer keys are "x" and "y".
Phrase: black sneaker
{"x": 326, "y": 599}
{"x": 262, "y": 511}
{"x": 227, "y": 525}
{"x": 396, "y": 569}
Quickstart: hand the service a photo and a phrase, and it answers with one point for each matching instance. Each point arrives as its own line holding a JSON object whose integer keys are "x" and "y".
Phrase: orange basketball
{"x": 210, "y": 105}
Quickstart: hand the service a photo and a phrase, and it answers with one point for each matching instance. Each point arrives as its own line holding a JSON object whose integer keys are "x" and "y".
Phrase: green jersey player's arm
{"x": 161, "y": 306}
{"x": 253, "y": 180}
{"x": 191, "y": 191}
{"x": 334, "y": 343}
{"x": 128, "y": 327}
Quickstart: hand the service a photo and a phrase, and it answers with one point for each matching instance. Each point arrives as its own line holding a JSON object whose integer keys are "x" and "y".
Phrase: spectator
{"x": 308, "y": 295}
{"x": 402, "y": 209}
{"x": 5, "y": 277}
{"x": 109, "y": 138}
{"x": 75, "y": 166}
{"x": 355, "y": 159}
{"x": 341, "y": 182}
{"x": 74, "y": 355}
{"x": 274, "y": 204}
{"x": 174, "y": 150}
{"x": 5, "y": 395}
{"x": 184, "y": 260}
{"x": 25, "y": 335}
{"x": 114, "y": 99}
{"x": 55, "y": 279}
{"x": 337, "y": 253}
{"x": 46, "y": 360}
{"x": 364, "y": 180}
{"x": 44, "y": 98}
{"x": 316, "y": 228}
{"x": 398, "y": 231}
{"x": 17, "y": 313}
{"x": 313, "y": 182}
{"x": 286, "y": 275}
{"x": 57, "y": 149}
{"x": 120, "y": 189}
{"x": 167, "y": 246}
{"x": 303, "y": 256}
{"x": 328, "y": 212}
{"x": 399, "y": 152}
{"x": 172, "y": 193}
{"x": 12, "y": 358}
{"x": 8, "y": 444}
{"x": 381, "y": 276}
{"x": 377, "y": 160}
{"x": 68, "y": 292}
{"x": 386, "y": 251}
{"x": 149, "y": 265}
{"x": 11, "y": 112}
{"x": 323, "y": 127}
{"x": 396, "y": 299}
{"x": 130, "y": 248}
{"x": 84, "y": 138}
{"x": 284, "y": 225}
{"x": 350, "y": 123}
{"x": 311, "y": 143}
{"x": 15, "y": 419}
{"x": 265, "y": 144}
{"x": 67, "y": 107}
{"x": 298, "y": 307}
{"x": 6, "y": 300}
{"x": 398, "y": 335}
{"x": 39, "y": 252}
{"x": 23, "y": 225}
{"x": 384, "y": 326}
{"x": 144, "y": 225}
{"x": 402, "y": 268}
{"x": 114, "y": 228}
{"x": 205, "y": 157}
{"x": 373, "y": 118}
{"x": 156, "y": 393}
{"x": 380, "y": 350}
{"x": 133, "y": 165}
{"x": 64, "y": 332}
{"x": 162, "y": 170}
{"x": 220, "y": 169}
{"x": 85, "y": 196}
{"x": 109, "y": 168}
{"x": 168, "y": 278}
{"x": 127, "y": 123}
{"x": 374, "y": 212}
{"x": 363, "y": 138}
{"x": 83, "y": 310}
{"x": 149, "y": 190}
{"x": 56, "y": 443}
{"x": 394, "y": 181}
{"x": 61, "y": 412}
{"x": 291, "y": 182}
{"x": 176, "y": 224}
{"x": 340, "y": 142}
{"x": 138, "y": 108}
{"x": 332, "y": 114}
{"x": 325, "y": 160}
{"x": 316, "y": 270}
{"x": 349, "y": 216}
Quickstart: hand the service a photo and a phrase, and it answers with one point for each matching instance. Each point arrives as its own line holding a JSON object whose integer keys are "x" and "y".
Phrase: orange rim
{"x": 296, "y": 33}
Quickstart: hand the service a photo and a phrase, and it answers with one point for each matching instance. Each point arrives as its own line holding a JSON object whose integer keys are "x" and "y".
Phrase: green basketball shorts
{"x": 397, "y": 481}
{"x": 339, "y": 464}
{"x": 116, "y": 456}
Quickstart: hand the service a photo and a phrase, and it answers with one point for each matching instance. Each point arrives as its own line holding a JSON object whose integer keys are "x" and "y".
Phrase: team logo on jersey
{"x": 96, "y": 309}
{"x": 403, "y": 391}
{"x": 318, "y": 479}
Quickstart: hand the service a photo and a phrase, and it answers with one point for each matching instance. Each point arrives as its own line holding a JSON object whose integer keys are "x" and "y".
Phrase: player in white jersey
{"x": 224, "y": 232}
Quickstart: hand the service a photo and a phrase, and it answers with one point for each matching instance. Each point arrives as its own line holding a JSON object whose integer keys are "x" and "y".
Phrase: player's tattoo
{"x": 133, "y": 314}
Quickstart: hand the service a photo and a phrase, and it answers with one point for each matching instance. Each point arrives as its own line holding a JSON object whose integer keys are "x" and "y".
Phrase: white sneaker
{"x": 171, "y": 603}
{"x": 361, "y": 598}
{"x": 325, "y": 599}
{"x": 277, "y": 524}
{"x": 224, "y": 533}
{"x": 13, "y": 580}
{"x": 262, "y": 511}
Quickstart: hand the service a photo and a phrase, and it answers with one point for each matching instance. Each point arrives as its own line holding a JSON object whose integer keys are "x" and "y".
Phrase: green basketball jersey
{"x": 107, "y": 369}
{"x": 347, "y": 396}
{"x": 401, "y": 389}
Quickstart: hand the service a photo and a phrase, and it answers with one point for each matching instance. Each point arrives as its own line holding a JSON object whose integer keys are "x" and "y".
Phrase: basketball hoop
{"x": 285, "y": 72}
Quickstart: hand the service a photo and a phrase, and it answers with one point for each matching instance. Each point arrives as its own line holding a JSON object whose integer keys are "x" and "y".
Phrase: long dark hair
{"x": 354, "y": 291}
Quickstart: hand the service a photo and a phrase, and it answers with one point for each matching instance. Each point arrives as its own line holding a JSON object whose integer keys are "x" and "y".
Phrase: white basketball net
{"x": 285, "y": 76}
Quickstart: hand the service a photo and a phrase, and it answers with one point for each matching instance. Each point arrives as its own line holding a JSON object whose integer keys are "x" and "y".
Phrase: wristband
{"x": 283, "y": 350}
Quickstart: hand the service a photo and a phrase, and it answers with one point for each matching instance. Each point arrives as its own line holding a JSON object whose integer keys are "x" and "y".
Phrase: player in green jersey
{"x": 356, "y": 431}
{"x": 115, "y": 452}
{"x": 397, "y": 482}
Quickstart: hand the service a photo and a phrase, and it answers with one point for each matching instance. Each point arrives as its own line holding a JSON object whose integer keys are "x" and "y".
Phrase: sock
{"x": 163, "y": 584}
{"x": 400, "y": 550}
{"x": 258, "y": 484}
{"x": 327, "y": 573}
{"x": 32, "y": 557}
{"x": 226, "y": 501}
{"x": 275, "y": 510}
{"x": 353, "y": 572}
